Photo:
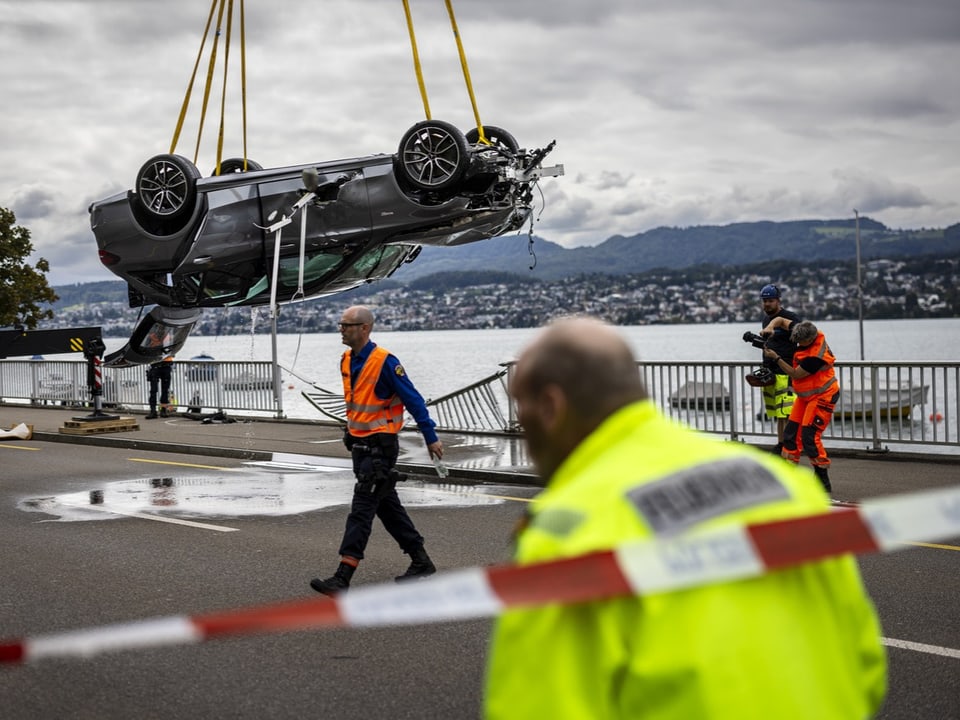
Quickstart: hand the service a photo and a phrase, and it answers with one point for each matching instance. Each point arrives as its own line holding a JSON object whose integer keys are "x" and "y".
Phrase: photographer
{"x": 778, "y": 395}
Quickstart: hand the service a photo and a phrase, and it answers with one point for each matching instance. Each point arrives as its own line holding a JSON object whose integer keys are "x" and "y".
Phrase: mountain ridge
{"x": 677, "y": 248}
{"x": 668, "y": 248}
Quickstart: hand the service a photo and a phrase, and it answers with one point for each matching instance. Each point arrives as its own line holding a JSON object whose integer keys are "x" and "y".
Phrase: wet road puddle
{"x": 271, "y": 488}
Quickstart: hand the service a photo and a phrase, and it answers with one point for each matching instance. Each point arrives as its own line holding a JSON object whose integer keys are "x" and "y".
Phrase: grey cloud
{"x": 32, "y": 203}
{"x": 610, "y": 180}
{"x": 875, "y": 194}
{"x": 664, "y": 113}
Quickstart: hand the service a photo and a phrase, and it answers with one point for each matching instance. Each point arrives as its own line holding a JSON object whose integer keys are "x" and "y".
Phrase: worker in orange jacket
{"x": 817, "y": 391}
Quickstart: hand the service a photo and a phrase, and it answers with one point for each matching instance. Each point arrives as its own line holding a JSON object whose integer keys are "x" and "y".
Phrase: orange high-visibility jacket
{"x": 366, "y": 413}
{"x": 821, "y": 381}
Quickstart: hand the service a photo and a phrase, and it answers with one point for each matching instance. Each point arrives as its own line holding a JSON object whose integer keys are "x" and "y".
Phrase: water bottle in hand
{"x": 440, "y": 467}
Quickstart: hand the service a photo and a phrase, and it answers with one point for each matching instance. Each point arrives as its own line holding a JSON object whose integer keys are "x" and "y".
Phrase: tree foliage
{"x": 23, "y": 288}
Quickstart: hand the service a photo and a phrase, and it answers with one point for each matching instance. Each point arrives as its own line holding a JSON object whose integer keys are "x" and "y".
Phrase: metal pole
{"x": 274, "y": 311}
{"x": 277, "y": 388}
{"x": 859, "y": 285}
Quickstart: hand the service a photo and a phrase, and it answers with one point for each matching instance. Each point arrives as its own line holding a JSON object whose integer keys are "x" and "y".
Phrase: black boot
{"x": 821, "y": 473}
{"x": 338, "y": 582}
{"x": 152, "y": 414}
{"x": 420, "y": 565}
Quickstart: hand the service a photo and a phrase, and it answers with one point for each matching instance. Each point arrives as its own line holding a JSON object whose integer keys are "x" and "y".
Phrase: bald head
{"x": 576, "y": 373}
{"x": 358, "y": 313}
{"x": 356, "y": 323}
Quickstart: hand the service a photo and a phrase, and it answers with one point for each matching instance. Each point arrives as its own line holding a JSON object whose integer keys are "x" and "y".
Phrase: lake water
{"x": 442, "y": 361}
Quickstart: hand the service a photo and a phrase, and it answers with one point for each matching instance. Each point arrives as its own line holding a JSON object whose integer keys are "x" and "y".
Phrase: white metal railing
{"x": 220, "y": 385}
{"x": 882, "y": 404}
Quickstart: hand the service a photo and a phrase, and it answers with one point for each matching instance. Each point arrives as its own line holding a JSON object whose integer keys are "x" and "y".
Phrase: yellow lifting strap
{"x": 463, "y": 63}
{"x": 416, "y": 60}
{"x": 228, "y": 6}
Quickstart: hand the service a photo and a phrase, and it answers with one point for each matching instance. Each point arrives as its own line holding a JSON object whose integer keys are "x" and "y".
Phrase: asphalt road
{"x": 62, "y": 575}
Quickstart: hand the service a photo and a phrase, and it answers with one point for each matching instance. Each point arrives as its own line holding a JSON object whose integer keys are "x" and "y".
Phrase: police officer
{"x": 802, "y": 642}
{"x": 376, "y": 390}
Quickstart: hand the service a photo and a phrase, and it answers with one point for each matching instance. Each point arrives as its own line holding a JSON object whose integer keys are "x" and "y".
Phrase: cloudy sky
{"x": 665, "y": 112}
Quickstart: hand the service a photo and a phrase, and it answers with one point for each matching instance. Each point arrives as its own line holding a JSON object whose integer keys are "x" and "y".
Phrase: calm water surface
{"x": 442, "y": 361}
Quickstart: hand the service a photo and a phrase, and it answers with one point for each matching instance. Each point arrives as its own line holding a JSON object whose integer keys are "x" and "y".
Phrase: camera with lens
{"x": 758, "y": 341}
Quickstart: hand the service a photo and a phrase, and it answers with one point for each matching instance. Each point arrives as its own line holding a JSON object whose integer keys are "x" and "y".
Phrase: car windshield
{"x": 375, "y": 264}
{"x": 324, "y": 272}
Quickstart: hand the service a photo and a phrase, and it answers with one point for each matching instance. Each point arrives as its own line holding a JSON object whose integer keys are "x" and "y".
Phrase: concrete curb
{"x": 154, "y": 445}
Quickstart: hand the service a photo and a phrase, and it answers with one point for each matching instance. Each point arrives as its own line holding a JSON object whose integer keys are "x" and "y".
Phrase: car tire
{"x": 497, "y": 137}
{"x": 166, "y": 191}
{"x": 235, "y": 165}
{"x": 433, "y": 156}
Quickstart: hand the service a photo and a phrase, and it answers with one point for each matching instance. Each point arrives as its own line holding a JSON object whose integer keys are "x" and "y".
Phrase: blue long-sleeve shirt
{"x": 394, "y": 381}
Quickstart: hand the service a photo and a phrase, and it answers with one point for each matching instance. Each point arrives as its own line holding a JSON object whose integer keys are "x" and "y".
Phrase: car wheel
{"x": 498, "y": 137}
{"x": 433, "y": 155}
{"x": 235, "y": 165}
{"x": 166, "y": 188}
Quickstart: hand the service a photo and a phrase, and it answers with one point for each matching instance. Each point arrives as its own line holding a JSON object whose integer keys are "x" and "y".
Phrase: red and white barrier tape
{"x": 721, "y": 554}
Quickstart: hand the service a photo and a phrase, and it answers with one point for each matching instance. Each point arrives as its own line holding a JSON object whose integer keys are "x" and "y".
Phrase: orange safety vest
{"x": 821, "y": 381}
{"x": 366, "y": 413}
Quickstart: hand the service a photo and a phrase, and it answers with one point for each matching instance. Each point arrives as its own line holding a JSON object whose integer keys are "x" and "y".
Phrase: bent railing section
{"x": 478, "y": 407}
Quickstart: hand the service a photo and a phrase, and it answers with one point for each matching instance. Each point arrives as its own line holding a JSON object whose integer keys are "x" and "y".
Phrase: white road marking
{"x": 156, "y": 518}
{"x": 178, "y": 463}
{"x": 920, "y": 647}
{"x": 302, "y": 467}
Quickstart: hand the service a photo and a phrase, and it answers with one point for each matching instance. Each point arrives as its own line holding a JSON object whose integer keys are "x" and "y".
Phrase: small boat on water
{"x": 891, "y": 402}
{"x": 201, "y": 369}
{"x": 701, "y": 396}
{"x": 247, "y": 381}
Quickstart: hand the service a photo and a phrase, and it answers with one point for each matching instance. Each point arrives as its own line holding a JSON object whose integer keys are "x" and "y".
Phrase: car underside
{"x": 251, "y": 236}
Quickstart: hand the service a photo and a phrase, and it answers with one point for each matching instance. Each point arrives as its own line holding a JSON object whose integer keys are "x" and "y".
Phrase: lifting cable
{"x": 416, "y": 60}
{"x": 211, "y": 66}
{"x": 463, "y": 64}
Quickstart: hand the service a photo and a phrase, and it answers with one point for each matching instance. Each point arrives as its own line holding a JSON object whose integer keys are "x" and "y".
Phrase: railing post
{"x": 732, "y": 375}
{"x": 877, "y": 447}
{"x": 35, "y": 367}
{"x": 512, "y": 419}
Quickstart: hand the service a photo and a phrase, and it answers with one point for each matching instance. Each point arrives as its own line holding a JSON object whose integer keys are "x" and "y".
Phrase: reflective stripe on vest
{"x": 366, "y": 413}
{"x": 821, "y": 381}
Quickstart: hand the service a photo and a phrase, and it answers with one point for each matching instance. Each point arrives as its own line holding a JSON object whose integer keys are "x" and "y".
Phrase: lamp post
{"x": 859, "y": 284}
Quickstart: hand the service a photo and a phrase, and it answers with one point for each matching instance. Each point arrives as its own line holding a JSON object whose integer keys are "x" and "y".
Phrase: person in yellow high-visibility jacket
{"x": 803, "y": 642}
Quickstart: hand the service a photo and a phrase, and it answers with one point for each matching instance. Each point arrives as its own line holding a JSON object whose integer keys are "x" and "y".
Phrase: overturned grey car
{"x": 186, "y": 242}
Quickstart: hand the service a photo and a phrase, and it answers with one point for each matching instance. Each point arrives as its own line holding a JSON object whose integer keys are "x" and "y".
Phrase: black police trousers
{"x": 379, "y": 501}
